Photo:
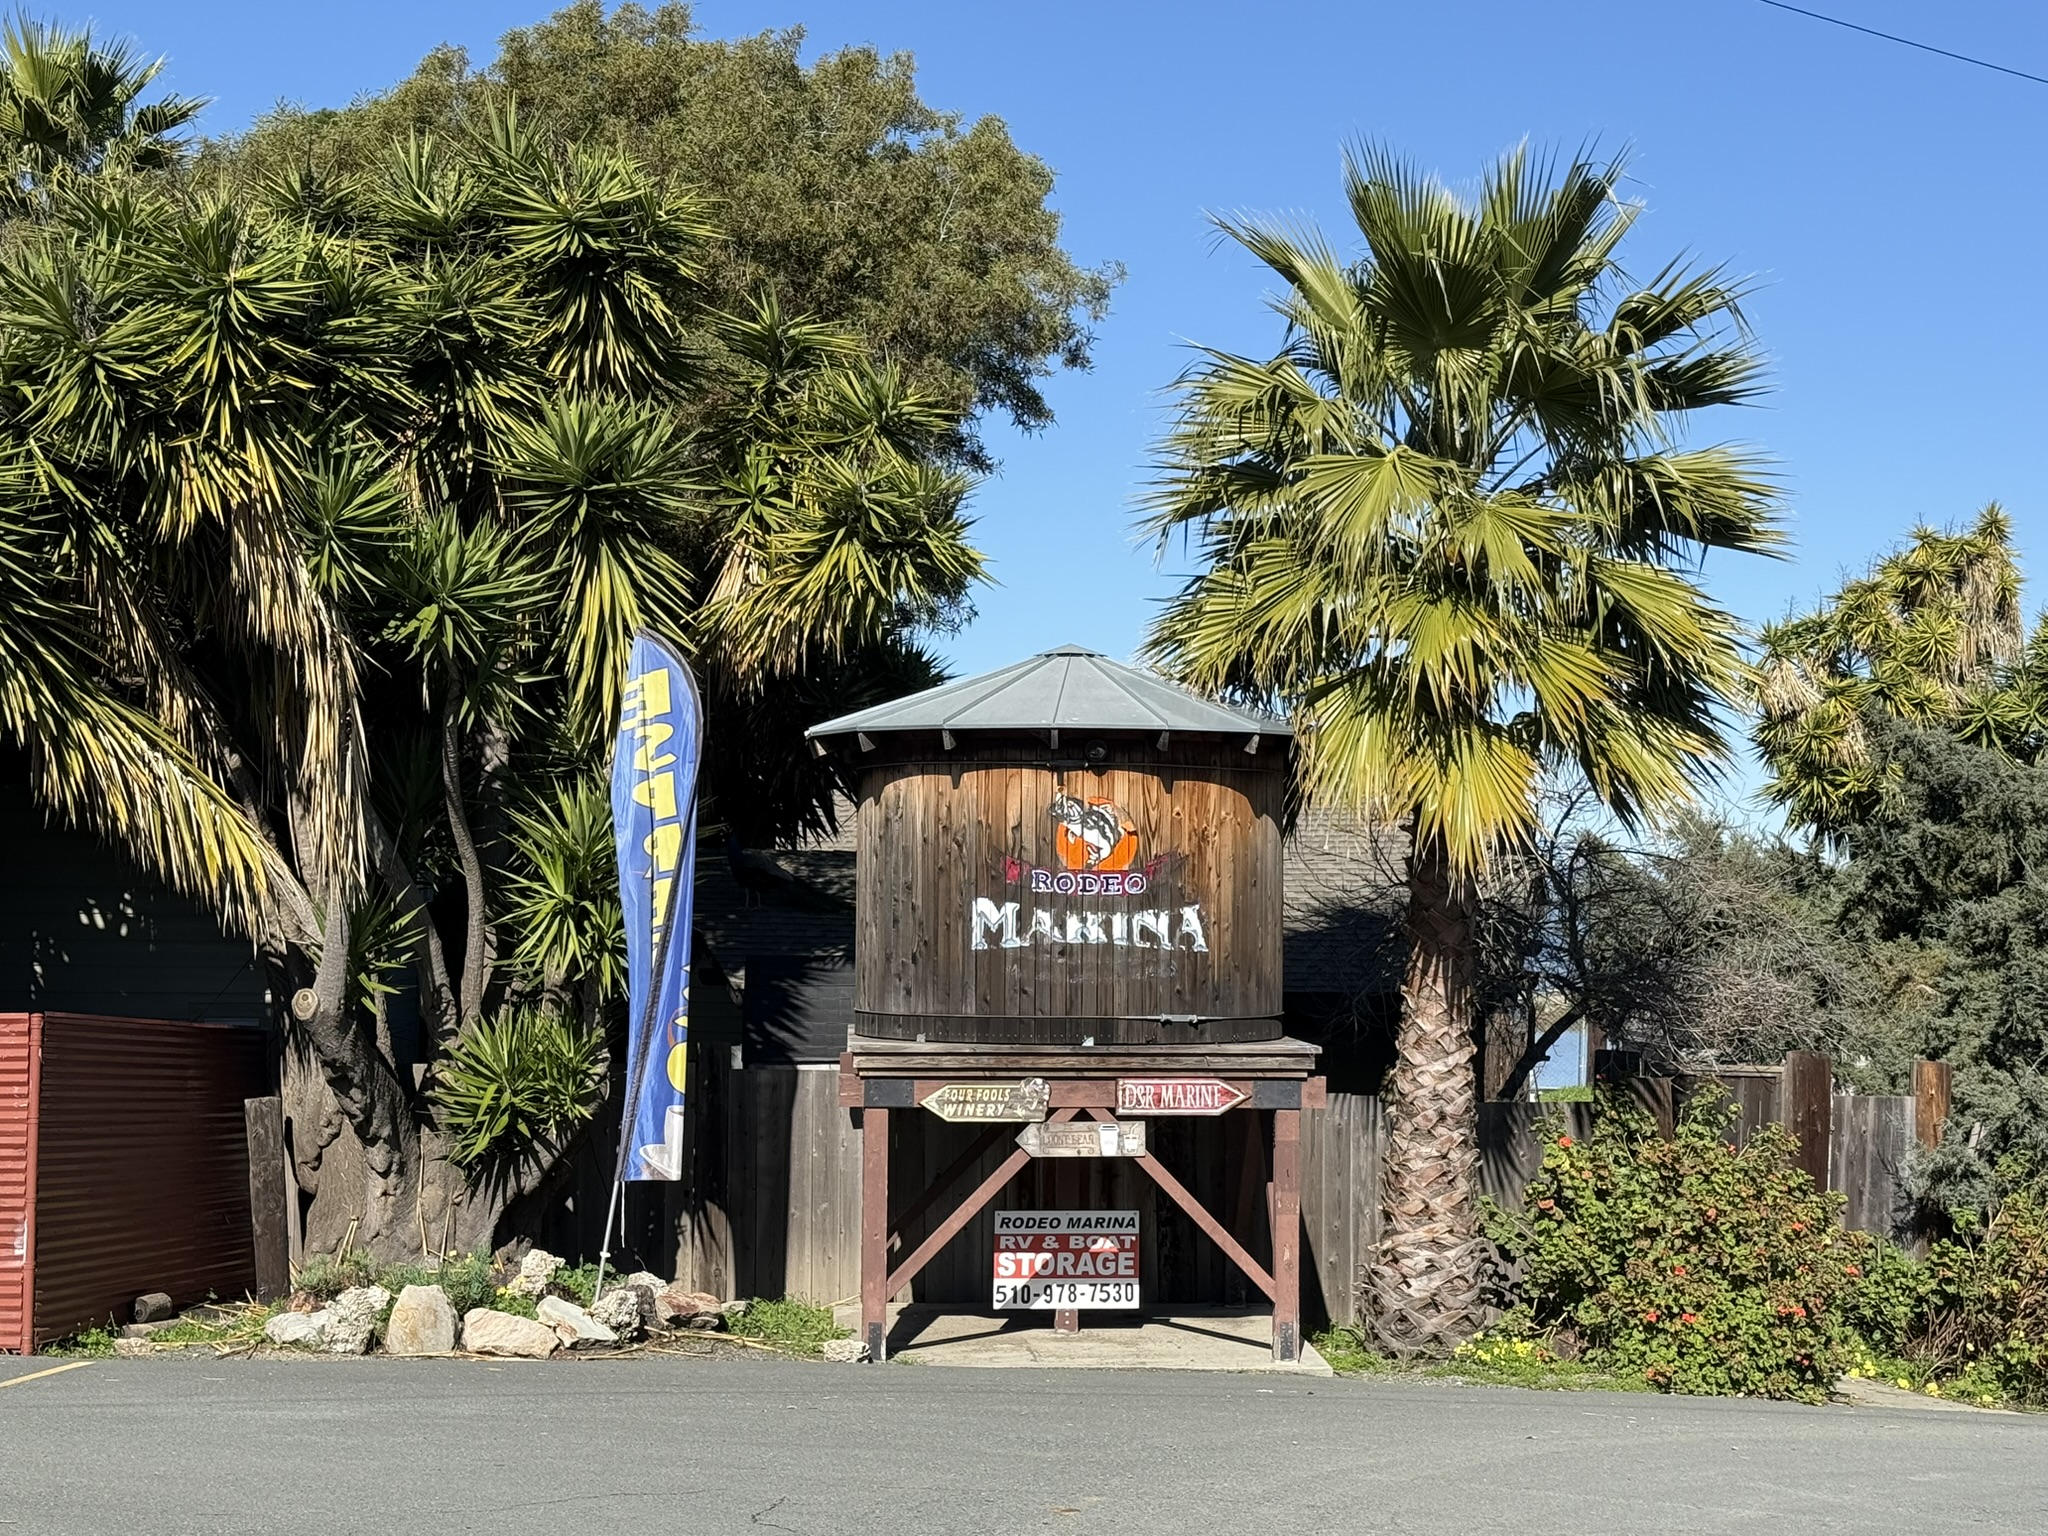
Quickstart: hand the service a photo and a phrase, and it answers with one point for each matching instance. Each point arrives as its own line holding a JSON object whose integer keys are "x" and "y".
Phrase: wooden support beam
{"x": 968, "y": 1209}
{"x": 990, "y": 1138}
{"x": 1286, "y": 1292}
{"x": 874, "y": 1232}
{"x": 1233, "y": 1250}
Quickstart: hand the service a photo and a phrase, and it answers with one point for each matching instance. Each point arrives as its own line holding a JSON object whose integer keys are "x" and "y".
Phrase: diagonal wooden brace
{"x": 1217, "y": 1234}
{"x": 942, "y": 1186}
{"x": 969, "y": 1208}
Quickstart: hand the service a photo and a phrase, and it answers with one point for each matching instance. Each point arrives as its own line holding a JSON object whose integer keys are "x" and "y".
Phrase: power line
{"x": 1892, "y": 37}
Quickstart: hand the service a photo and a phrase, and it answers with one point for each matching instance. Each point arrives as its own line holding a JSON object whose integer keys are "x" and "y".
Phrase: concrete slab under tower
{"x": 1188, "y": 1339}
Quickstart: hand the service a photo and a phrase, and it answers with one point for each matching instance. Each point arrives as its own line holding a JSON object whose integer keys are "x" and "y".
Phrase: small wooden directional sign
{"x": 983, "y": 1102}
{"x": 1176, "y": 1095}
{"x": 1080, "y": 1138}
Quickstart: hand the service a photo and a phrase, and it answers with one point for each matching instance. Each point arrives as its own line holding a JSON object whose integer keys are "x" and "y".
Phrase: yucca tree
{"x": 1450, "y": 525}
{"x": 340, "y": 500}
{"x": 1931, "y": 636}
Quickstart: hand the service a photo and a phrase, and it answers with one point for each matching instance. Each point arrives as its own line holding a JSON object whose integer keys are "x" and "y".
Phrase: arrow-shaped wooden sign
{"x": 1176, "y": 1095}
{"x": 1080, "y": 1138}
{"x": 983, "y": 1102}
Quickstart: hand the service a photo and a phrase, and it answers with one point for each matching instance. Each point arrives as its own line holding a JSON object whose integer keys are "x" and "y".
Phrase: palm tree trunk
{"x": 1425, "y": 1291}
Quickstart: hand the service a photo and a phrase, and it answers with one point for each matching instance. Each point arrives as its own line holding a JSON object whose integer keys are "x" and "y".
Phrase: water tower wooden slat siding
{"x": 1063, "y": 851}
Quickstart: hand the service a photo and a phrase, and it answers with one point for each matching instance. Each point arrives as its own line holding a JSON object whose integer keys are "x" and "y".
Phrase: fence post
{"x": 1806, "y": 1094}
{"x": 269, "y": 1198}
{"x": 1930, "y": 1101}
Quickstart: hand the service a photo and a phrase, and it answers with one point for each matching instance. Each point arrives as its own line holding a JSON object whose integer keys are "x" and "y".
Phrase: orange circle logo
{"x": 1093, "y": 834}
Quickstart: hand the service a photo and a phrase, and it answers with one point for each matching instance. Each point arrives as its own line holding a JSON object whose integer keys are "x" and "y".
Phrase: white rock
{"x": 619, "y": 1311}
{"x": 352, "y": 1319}
{"x": 535, "y": 1271}
{"x": 572, "y": 1323}
{"x": 846, "y": 1351}
{"x": 486, "y": 1331}
{"x": 422, "y": 1322}
{"x": 644, "y": 1277}
{"x": 306, "y": 1329}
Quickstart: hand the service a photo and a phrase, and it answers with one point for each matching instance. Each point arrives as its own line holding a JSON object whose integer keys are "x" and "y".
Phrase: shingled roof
{"x": 1068, "y": 689}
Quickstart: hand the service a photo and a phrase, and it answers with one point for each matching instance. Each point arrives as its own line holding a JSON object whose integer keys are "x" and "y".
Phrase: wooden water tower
{"x": 1067, "y": 850}
{"x": 1069, "y": 883}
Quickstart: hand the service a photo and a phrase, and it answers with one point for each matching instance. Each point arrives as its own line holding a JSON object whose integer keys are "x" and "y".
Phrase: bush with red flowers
{"x": 1691, "y": 1264}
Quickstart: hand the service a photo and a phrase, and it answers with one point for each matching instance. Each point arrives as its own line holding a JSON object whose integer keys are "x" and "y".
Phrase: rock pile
{"x": 421, "y": 1320}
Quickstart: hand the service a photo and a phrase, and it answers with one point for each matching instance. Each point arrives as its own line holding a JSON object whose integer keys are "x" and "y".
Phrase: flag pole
{"x": 604, "y": 1246}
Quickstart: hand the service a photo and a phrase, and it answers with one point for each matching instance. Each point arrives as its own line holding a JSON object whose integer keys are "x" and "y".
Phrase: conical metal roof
{"x": 1069, "y": 689}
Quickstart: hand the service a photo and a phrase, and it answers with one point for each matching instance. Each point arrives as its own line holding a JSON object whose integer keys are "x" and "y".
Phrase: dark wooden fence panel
{"x": 1867, "y": 1159}
{"x": 1341, "y": 1153}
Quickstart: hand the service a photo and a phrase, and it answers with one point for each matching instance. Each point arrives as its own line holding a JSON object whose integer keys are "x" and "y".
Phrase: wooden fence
{"x": 774, "y": 1205}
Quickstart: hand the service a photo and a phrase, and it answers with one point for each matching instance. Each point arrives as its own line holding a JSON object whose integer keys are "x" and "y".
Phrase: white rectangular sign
{"x": 1046, "y": 1260}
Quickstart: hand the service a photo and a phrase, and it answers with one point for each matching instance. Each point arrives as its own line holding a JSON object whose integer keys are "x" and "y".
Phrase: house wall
{"x": 82, "y": 930}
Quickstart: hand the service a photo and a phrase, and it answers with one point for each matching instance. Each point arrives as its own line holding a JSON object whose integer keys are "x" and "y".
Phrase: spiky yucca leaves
{"x": 524, "y": 1079}
{"x": 343, "y": 497}
{"x": 840, "y": 524}
{"x": 1933, "y": 636}
{"x": 1447, "y": 527}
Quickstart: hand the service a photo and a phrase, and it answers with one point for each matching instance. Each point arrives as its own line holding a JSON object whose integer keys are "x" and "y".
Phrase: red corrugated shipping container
{"x": 19, "y": 1036}
{"x": 130, "y": 1134}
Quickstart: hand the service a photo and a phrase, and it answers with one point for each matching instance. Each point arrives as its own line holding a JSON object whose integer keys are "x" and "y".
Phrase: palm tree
{"x": 1932, "y": 636}
{"x": 1447, "y": 526}
{"x": 69, "y": 102}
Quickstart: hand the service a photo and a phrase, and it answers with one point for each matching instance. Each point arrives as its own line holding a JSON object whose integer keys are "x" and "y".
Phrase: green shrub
{"x": 467, "y": 1280}
{"x": 1690, "y": 1264}
{"x": 1983, "y": 1320}
{"x": 93, "y": 1343}
{"x": 326, "y": 1276}
{"x": 578, "y": 1282}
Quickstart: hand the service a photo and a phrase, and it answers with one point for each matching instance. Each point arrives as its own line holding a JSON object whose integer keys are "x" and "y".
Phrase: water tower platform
{"x": 1020, "y": 1093}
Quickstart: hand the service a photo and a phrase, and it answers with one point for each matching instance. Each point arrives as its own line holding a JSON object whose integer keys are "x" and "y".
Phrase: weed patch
{"x": 797, "y": 1326}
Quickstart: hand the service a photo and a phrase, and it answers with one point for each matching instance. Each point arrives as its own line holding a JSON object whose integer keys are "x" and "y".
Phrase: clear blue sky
{"x": 1888, "y": 203}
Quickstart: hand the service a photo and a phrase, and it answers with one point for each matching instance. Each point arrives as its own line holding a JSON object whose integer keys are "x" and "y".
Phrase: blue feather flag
{"x": 654, "y": 817}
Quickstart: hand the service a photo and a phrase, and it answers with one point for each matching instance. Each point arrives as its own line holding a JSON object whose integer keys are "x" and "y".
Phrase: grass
{"x": 1485, "y": 1361}
{"x": 796, "y": 1326}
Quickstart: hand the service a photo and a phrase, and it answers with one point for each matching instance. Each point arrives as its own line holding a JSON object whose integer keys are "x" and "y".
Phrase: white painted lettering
{"x": 990, "y": 918}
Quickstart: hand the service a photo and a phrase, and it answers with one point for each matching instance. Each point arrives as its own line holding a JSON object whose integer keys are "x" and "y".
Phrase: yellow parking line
{"x": 55, "y": 1370}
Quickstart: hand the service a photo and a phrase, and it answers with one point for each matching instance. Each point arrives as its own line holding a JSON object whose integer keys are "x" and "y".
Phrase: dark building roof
{"x": 1345, "y": 887}
{"x": 1069, "y": 689}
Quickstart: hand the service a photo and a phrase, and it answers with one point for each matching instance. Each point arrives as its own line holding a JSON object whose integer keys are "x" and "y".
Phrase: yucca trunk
{"x": 1425, "y": 1291}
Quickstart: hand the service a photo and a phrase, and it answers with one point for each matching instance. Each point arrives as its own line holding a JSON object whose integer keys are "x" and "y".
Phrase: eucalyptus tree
{"x": 1449, "y": 525}
{"x": 342, "y": 496}
{"x": 841, "y": 192}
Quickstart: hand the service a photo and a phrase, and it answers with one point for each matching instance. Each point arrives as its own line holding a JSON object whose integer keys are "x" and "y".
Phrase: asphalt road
{"x": 167, "y": 1447}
